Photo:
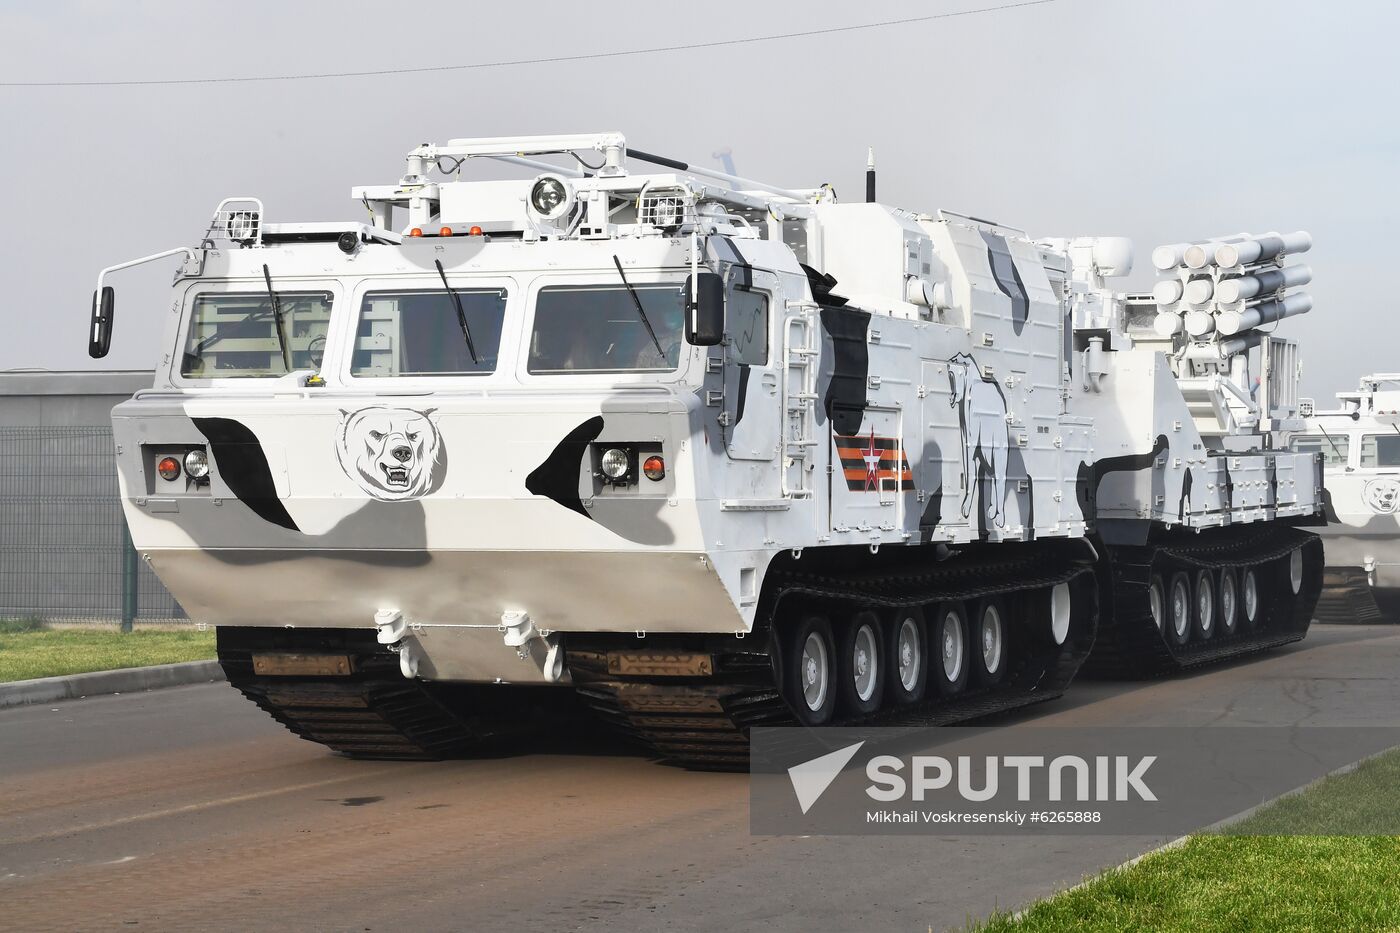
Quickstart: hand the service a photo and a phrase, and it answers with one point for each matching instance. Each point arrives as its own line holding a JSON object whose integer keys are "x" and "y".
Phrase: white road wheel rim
{"x": 911, "y": 654}
{"x": 1205, "y": 603}
{"x": 1251, "y": 596}
{"x": 952, "y": 642}
{"x": 1157, "y": 600}
{"x": 1060, "y": 607}
{"x": 991, "y": 639}
{"x": 816, "y": 671}
{"x": 1229, "y": 601}
{"x": 1181, "y": 608}
{"x": 1295, "y": 571}
{"x": 865, "y": 662}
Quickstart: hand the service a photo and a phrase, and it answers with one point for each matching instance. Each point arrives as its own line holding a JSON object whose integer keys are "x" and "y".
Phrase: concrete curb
{"x": 127, "y": 680}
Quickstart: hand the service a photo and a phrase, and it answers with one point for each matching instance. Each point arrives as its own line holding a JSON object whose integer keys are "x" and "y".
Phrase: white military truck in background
{"x": 705, "y": 453}
{"x": 1359, "y": 443}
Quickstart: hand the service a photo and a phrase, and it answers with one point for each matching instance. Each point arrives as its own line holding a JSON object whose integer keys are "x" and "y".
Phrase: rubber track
{"x": 1347, "y": 599}
{"x": 704, "y": 723}
{"x": 374, "y": 713}
{"x": 1130, "y": 644}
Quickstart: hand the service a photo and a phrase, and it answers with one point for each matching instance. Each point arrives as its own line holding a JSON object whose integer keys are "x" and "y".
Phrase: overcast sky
{"x": 1162, "y": 120}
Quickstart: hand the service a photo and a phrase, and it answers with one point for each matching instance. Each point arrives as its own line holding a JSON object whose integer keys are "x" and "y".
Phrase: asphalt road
{"x": 189, "y": 809}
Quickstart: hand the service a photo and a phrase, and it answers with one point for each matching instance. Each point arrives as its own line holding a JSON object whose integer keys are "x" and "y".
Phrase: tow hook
{"x": 392, "y": 627}
{"x": 518, "y": 630}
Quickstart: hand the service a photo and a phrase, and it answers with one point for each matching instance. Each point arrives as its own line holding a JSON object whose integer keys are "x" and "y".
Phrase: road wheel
{"x": 1157, "y": 600}
{"x": 988, "y": 649}
{"x": 1251, "y": 598}
{"x": 950, "y": 642}
{"x": 1295, "y": 571}
{"x": 1203, "y": 618}
{"x": 809, "y": 661}
{"x": 1179, "y": 609}
{"x": 860, "y": 668}
{"x": 906, "y": 636}
{"x": 1061, "y": 612}
{"x": 1229, "y": 602}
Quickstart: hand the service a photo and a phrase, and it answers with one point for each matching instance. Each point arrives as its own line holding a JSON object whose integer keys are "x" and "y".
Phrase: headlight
{"x": 654, "y": 468}
{"x": 197, "y": 463}
{"x": 614, "y": 463}
{"x": 168, "y": 468}
{"x": 550, "y": 197}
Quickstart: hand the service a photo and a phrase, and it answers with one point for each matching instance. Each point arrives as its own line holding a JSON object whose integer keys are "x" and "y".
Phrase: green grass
{"x": 27, "y": 650}
{"x": 1237, "y": 880}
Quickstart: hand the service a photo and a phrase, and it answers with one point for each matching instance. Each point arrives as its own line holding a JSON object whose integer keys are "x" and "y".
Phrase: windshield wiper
{"x": 277, "y": 320}
{"x": 641, "y": 312}
{"x": 1333, "y": 443}
{"x": 461, "y": 315}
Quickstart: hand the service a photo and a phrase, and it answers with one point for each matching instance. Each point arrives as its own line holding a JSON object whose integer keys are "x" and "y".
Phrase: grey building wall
{"x": 64, "y": 552}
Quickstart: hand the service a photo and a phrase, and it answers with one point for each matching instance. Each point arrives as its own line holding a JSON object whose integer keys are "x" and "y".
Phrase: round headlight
{"x": 242, "y": 226}
{"x": 614, "y": 463}
{"x": 550, "y": 196}
{"x": 197, "y": 463}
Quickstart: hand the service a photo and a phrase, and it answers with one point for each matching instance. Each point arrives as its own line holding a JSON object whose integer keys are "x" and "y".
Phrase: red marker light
{"x": 168, "y": 468}
{"x": 654, "y": 468}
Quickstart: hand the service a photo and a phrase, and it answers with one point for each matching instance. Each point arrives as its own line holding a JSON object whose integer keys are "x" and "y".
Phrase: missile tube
{"x": 1229, "y": 255}
{"x": 1246, "y": 287}
{"x": 1199, "y": 323}
{"x": 1232, "y": 322}
{"x": 1166, "y": 292}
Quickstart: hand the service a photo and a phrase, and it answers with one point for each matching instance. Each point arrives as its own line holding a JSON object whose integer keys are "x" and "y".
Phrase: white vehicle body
{"x": 1359, "y": 442}
{"x": 888, "y": 383}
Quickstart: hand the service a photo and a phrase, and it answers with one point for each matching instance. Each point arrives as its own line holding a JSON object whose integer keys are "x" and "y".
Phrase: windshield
{"x": 234, "y": 334}
{"x": 416, "y": 333}
{"x": 597, "y": 329}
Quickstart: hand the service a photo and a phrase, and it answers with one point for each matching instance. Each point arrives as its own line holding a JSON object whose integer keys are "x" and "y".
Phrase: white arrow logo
{"x": 811, "y": 778}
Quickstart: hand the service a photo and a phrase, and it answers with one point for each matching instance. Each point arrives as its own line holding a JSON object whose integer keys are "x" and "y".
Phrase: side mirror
{"x": 704, "y": 309}
{"x": 100, "y": 331}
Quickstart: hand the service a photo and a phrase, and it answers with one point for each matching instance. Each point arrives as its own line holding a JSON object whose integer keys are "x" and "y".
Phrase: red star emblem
{"x": 871, "y": 455}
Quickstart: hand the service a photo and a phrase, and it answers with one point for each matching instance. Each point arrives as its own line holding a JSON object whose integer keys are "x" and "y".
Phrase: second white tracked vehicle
{"x": 706, "y": 453}
{"x": 1359, "y": 442}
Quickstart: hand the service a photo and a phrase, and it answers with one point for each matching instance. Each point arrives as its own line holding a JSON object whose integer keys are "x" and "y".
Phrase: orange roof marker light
{"x": 416, "y": 231}
{"x": 475, "y": 231}
{"x": 445, "y": 231}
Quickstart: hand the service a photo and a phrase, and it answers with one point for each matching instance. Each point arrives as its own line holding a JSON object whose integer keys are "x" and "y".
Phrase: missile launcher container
{"x": 1359, "y": 443}
{"x": 702, "y": 453}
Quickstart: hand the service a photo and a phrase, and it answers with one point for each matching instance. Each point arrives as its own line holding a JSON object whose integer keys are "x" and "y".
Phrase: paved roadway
{"x": 189, "y": 809}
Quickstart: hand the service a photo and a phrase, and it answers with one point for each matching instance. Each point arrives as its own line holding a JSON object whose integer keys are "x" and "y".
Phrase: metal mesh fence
{"x": 64, "y": 550}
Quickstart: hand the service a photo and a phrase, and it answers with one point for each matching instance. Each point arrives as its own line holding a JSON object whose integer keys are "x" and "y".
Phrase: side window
{"x": 1380, "y": 450}
{"x": 747, "y": 322}
{"x": 417, "y": 333}
{"x": 1333, "y": 447}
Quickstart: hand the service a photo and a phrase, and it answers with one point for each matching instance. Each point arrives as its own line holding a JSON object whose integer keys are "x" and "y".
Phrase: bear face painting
{"x": 393, "y": 454}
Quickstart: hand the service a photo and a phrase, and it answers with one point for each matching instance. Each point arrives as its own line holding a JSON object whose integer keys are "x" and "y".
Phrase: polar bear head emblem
{"x": 391, "y": 453}
{"x": 1382, "y": 495}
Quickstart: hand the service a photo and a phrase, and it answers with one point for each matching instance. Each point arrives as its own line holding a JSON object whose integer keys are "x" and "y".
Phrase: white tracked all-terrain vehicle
{"x": 1359, "y": 443}
{"x": 705, "y": 453}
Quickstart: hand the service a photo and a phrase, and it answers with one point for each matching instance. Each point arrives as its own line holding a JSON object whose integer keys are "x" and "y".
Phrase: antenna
{"x": 870, "y": 175}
